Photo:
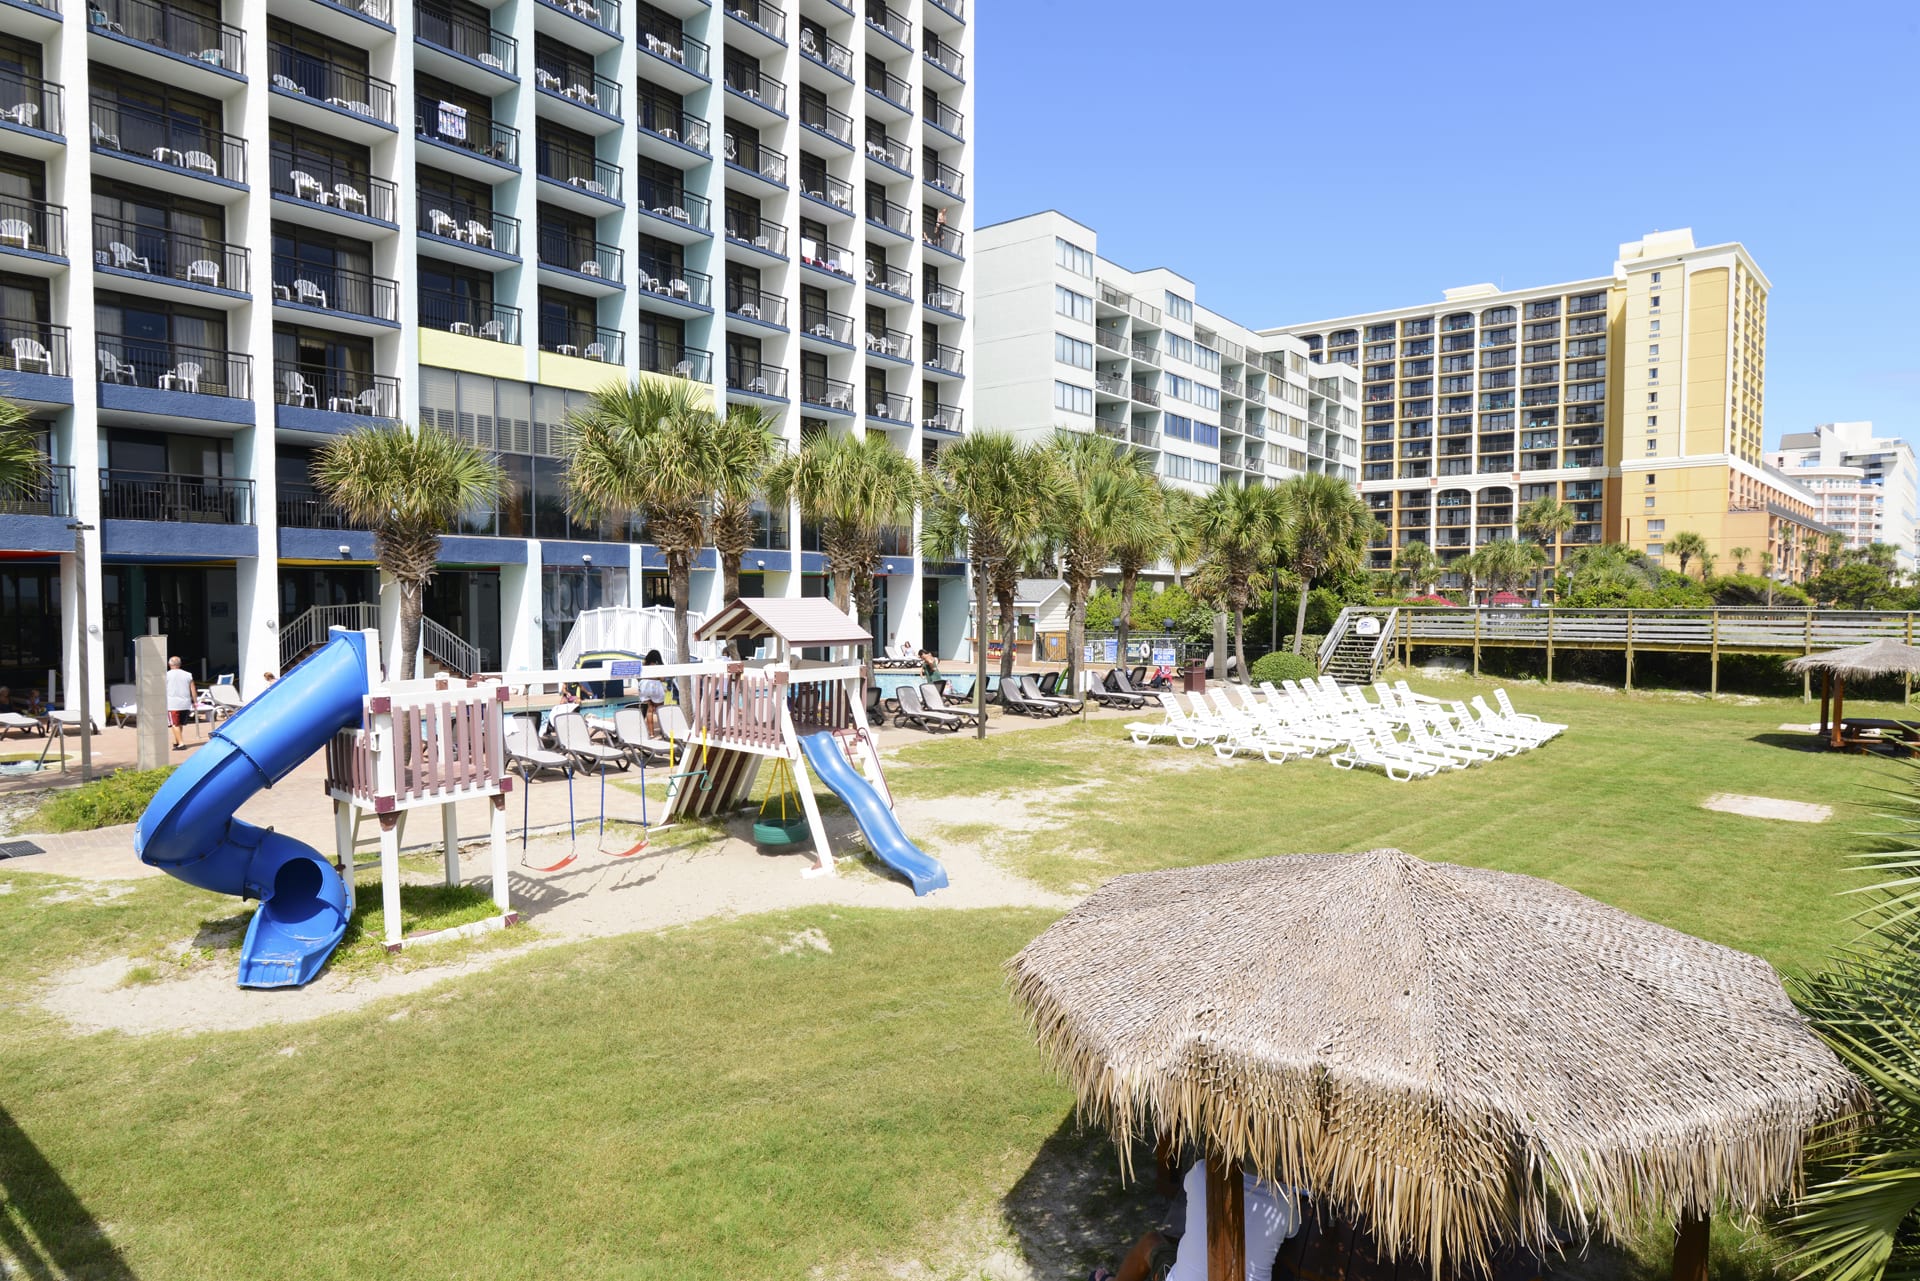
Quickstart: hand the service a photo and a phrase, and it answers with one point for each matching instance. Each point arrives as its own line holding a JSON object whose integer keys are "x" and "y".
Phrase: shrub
{"x": 118, "y": 798}
{"x": 1284, "y": 665}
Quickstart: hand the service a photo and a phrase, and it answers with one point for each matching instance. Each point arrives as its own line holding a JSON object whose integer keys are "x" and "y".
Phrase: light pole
{"x": 80, "y": 529}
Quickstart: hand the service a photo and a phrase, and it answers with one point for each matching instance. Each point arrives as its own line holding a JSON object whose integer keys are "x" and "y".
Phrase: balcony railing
{"x": 579, "y": 170}
{"x": 945, "y": 357}
{"x": 672, "y": 358}
{"x": 178, "y": 144}
{"x": 588, "y": 257}
{"x": 334, "y": 187}
{"x": 828, "y": 393}
{"x": 339, "y": 391}
{"x": 891, "y": 342}
{"x": 671, "y": 281}
{"x": 1144, "y": 394}
{"x": 470, "y": 225}
{"x": 33, "y": 225}
{"x": 942, "y": 237}
{"x": 674, "y": 202}
{"x": 339, "y": 289}
{"x": 828, "y": 52}
{"x": 826, "y": 256}
{"x": 891, "y": 405}
{"x": 943, "y": 55}
{"x": 749, "y": 154}
{"x": 32, "y": 103}
{"x": 945, "y": 177}
{"x": 765, "y": 234}
{"x": 478, "y": 318}
{"x": 588, "y": 88}
{"x": 680, "y": 49}
{"x": 944, "y": 298}
{"x": 889, "y": 279}
{"x": 749, "y": 82}
{"x": 769, "y": 18}
{"x": 204, "y": 371}
{"x": 769, "y": 530}
{"x": 1111, "y": 385}
{"x": 1112, "y": 428}
{"x": 684, "y": 127}
{"x": 451, "y": 126}
{"x": 827, "y": 189}
{"x": 194, "y": 500}
{"x": 51, "y": 495}
{"x": 889, "y": 86}
{"x": 155, "y": 251}
{"x": 439, "y": 27}
{"x": 604, "y": 14}
{"x": 821, "y": 118}
{"x": 883, "y": 19}
{"x": 334, "y": 83}
{"x": 754, "y": 304}
{"x": 832, "y": 326}
{"x": 889, "y": 150}
{"x": 941, "y": 116}
{"x": 755, "y": 377}
{"x": 1140, "y": 352}
{"x": 165, "y": 27}
{"x": 588, "y": 341}
{"x": 304, "y": 507}
{"x": 29, "y": 347}
{"x": 885, "y": 213}
{"x": 946, "y": 418}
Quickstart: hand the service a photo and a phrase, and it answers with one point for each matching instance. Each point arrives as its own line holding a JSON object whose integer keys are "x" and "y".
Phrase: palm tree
{"x": 1137, "y": 547}
{"x": 1418, "y": 563}
{"x": 408, "y": 487}
{"x": 744, "y": 445}
{"x": 1240, "y": 526}
{"x": 984, "y": 499}
{"x": 1766, "y": 572}
{"x": 1324, "y": 529}
{"x": 648, "y": 449}
{"x": 853, "y": 487}
{"x": 1546, "y": 520}
{"x": 1833, "y": 552}
{"x": 23, "y": 468}
{"x": 1740, "y": 555}
{"x": 1184, "y": 545}
{"x": 1685, "y": 544}
{"x": 1109, "y": 497}
{"x": 1504, "y": 564}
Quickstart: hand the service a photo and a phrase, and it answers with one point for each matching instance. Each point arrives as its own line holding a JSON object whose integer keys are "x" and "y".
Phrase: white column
{"x": 520, "y": 612}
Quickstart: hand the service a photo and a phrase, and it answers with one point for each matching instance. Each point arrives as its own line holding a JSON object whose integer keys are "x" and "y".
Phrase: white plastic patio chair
{"x": 113, "y": 369}
{"x": 16, "y": 231}
{"x": 442, "y": 223}
{"x": 24, "y": 114}
{"x": 186, "y": 375}
{"x": 200, "y": 161}
{"x": 102, "y": 138}
{"x": 683, "y": 369}
{"x": 372, "y": 402}
{"x": 595, "y": 351}
{"x": 289, "y": 84}
{"x": 122, "y": 703}
{"x": 204, "y": 269}
{"x": 299, "y": 393}
{"x": 308, "y": 187}
{"x": 305, "y": 290}
{"x": 346, "y": 195}
{"x": 126, "y": 260}
{"x": 29, "y": 351}
{"x": 495, "y": 330}
{"x": 479, "y": 233}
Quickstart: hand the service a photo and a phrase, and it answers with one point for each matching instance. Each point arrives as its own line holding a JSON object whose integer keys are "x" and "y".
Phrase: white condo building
{"x": 1069, "y": 339}
{"x": 1866, "y": 486}
{"x": 230, "y": 232}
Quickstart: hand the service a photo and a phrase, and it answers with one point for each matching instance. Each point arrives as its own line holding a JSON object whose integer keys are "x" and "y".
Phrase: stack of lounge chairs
{"x": 1403, "y": 734}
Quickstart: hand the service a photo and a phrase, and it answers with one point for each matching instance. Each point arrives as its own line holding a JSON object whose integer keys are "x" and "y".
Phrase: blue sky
{"x": 1437, "y": 145}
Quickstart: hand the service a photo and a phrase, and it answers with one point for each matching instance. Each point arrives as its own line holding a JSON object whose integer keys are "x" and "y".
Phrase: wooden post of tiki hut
{"x": 1386, "y": 1049}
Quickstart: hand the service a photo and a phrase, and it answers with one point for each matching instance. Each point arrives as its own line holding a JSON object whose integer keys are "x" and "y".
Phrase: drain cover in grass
{"x": 19, "y": 849}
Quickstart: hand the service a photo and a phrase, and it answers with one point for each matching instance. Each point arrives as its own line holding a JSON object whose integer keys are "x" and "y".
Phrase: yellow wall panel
{"x": 469, "y": 355}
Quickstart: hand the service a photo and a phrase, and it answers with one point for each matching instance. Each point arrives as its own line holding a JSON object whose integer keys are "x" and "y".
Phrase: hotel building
{"x": 1865, "y": 485}
{"x": 1634, "y": 398}
{"x": 1069, "y": 339}
{"x": 230, "y": 232}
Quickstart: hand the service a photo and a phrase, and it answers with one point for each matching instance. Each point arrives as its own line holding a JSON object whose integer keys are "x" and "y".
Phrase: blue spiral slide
{"x": 877, "y": 822}
{"x": 189, "y": 830}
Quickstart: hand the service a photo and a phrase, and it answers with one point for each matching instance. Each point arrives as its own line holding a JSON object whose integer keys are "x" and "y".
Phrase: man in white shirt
{"x": 180, "y": 698}
{"x": 1272, "y": 1214}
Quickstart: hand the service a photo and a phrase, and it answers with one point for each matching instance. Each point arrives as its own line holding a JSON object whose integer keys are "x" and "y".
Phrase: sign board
{"x": 1163, "y": 656}
{"x": 622, "y": 668}
{"x": 1111, "y": 649}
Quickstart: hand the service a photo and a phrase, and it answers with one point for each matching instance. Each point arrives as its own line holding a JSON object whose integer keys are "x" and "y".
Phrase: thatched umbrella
{"x": 1456, "y": 1059}
{"x": 1856, "y": 662}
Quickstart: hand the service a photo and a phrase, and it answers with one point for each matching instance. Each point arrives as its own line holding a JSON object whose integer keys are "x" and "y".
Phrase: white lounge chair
{"x": 572, "y": 735}
{"x": 1507, "y": 710}
{"x": 525, "y": 754}
{"x": 122, "y": 703}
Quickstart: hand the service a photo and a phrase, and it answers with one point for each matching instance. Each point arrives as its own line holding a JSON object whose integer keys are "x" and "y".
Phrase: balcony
{"x": 199, "y": 371}
{"x": 332, "y": 89}
{"x": 755, "y": 378}
{"x": 603, "y": 14}
{"x": 338, "y": 291}
{"x": 942, "y": 238}
{"x": 156, "y": 254}
{"x": 1113, "y": 341}
{"x": 887, "y": 22}
{"x": 891, "y": 407}
{"x": 768, "y": 19}
{"x": 695, "y": 363}
{"x": 1111, "y": 385}
{"x": 477, "y": 149}
{"x": 335, "y": 391}
{"x": 757, "y": 306}
{"x": 762, "y": 90}
{"x": 820, "y": 324}
{"x": 587, "y": 341}
{"x": 943, "y": 57}
{"x": 304, "y": 507}
{"x": 51, "y": 496}
{"x": 946, "y": 299}
{"x": 889, "y": 280}
{"x": 679, "y": 60}
{"x": 827, "y": 393}
{"x": 32, "y": 227}
{"x": 578, "y": 97}
{"x": 586, "y": 183}
{"x": 472, "y": 317}
{"x": 602, "y": 268}
{"x": 835, "y": 193}
{"x": 944, "y": 358}
{"x": 890, "y": 220}
{"x": 944, "y": 177}
{"x": 1112, "y": 428}
{"x": 826, "y": 258}
{"x": 827, "y": 122}
{"x": 157, "y": 26}
{"x": 827, "y": 52}
{"x": 181, "y": 499}
{"x": 29, "y": 106}
{"x": 29, "y": 347}
{"x": 676, "y": 213}
{"x": 768, "y": 167}
{"x": 883, "y": 149}
{"x": 465, "y": 48}
{"x": 889, "y": 88}
{"x": 766, "y": 235}
{"x": 957, "y": 9}
{"x": 470, "y": 233}
{"x": 676, "y": 134}
{"x": 944, "y": 118}
{"x": 162, "y": 151}
{"x": 894, "y": 344}
{"x": 326, "y": 194}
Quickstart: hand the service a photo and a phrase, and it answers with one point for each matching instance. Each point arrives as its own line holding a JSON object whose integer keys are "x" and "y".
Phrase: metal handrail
{"x": 46, "y": 226}
{"x": 218, "y": 44}
{"x": 695, "y": 363}
{"x": 32, "y": 103}
{"x": 343, "y": 86}
{"x": 178, "y": 144}
{"x": 309, "y": 630}
{"x": 441, "y": 645}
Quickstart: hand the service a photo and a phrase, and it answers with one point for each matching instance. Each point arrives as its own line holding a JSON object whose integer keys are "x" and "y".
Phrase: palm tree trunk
{"x": 411, "y": 606}
{"x": 1124, "y": 623}
{"x": 1300, "y": 614}
{"x": 980, "y": 647}
{"x": 1076, "y": 629}
{"x": 680, "y": 587}
{"x": 1240, "y": 641}
{"x": 729, "y": 579}
{"x": 1005, "y": 601}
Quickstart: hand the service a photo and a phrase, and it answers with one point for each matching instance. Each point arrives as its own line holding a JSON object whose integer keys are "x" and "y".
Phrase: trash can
{"x": 1196, "y": 681}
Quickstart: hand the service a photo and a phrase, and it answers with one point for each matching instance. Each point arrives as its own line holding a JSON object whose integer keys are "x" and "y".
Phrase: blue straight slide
{"x": 189, "y": 830}
{"x": 876, "y": 821}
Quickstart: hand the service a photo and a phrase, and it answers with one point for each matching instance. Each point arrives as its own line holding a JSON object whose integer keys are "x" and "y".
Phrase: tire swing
{"x": 789, "y": 825}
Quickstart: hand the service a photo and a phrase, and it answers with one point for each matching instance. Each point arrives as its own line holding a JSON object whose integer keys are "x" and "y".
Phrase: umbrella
{"x": 1459, "y": 1060}
{"x": 1856, "y": 662}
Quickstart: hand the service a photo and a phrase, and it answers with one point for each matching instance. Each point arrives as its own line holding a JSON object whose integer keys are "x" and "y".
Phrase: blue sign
{"x": 626, "y": 667}
{"x": 1163, "y": 656}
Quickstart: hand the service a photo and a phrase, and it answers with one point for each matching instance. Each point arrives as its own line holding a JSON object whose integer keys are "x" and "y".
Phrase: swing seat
{"x": 779, "y": 831}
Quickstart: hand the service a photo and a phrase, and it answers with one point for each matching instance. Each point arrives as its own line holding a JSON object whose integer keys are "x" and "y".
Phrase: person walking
{"x": 180, "y": 698}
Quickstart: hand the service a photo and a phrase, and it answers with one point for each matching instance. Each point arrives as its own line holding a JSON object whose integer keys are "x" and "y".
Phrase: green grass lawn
{"x": 713, "y": 1101}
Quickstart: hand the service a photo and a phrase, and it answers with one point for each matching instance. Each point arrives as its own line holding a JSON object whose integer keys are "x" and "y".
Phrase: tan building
{"x": 1635, "y": 399}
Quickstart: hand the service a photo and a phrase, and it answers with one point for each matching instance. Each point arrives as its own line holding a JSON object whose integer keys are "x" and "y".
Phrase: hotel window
{"x": 1071, "y": 351}
{"x": 1206, "y": 397}
{"x": 1179, "y": 308}
{"x": 1071, "y": 256}
{"x": 1653, "y": 398}
{"x": 1653, "y": 326}
{"x": 1654, "y": 302}
{"x": 1649, "y": 500}
{"x": 1656, "y": 549}
{"x": 1653, "y": 351}
{"x": 1180, "y": 348}
{"x": 1656, "y": 277}
{"x": 1206, "y": 434}
{"x": 1075, "y": 400}
{"x": 1177, "y": 426}
{"x": 1072, "y": 305}
{"x": 1179, "y": 388}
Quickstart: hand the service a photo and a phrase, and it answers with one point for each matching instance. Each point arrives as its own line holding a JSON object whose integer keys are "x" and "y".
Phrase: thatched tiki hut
{"x": 1859, "y": 663}
{"x": 1457, "y": 1060}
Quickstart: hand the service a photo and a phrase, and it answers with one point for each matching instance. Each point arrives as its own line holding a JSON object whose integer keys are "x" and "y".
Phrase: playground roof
{"x": 810, "y": 620}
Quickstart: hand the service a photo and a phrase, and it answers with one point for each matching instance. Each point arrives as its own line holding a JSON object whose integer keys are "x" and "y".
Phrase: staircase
{"x": 308, "y": 631}
{"x": 446, "y": 649}
{"x": 1357, "y": 647}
